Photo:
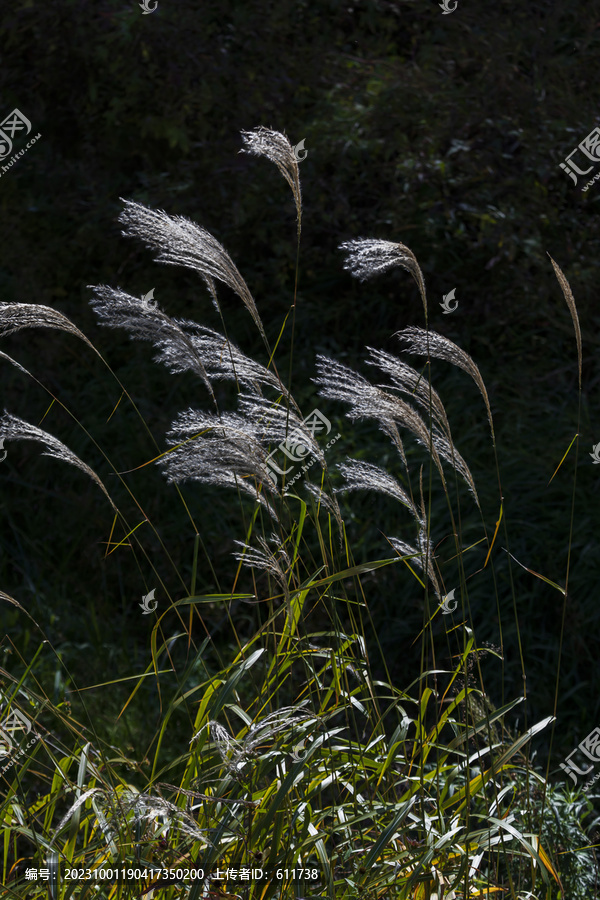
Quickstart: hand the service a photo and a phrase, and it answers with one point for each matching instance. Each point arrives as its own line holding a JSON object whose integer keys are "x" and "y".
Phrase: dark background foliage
{"x": 443, "y": 132}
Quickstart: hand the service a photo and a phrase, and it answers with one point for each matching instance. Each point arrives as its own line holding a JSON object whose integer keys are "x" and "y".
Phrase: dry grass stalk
{"x": 566, "y": 289}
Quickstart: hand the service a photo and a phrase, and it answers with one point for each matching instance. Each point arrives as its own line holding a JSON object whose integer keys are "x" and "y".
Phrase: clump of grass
{"x": 297, "y": 753}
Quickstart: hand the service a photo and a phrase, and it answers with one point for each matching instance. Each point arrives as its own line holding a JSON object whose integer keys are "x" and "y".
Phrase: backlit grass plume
{"x": 15, "y": 429}
{"x": 338, "y": 382}
{"x": 568, "y": 294}
{"x": 412, "y": 383}
{"x": 361, "y": 476}
{"x": 268, "y": 560}
{"x": 277, "y": 424}
{"x": 422, "y": 555}
{"x": 369, "y": 256}
{"x": 17, "y": 316}
{"x": 117, "y": 309}
{"x": 276, "y": 147}
{"x": 223, "y": 450}
{"x": 430, "y": 343}
{"x": 182, "y": 344}
{"x": 237, "y": 754}
{"x": 180, "y": 242}
{"x": 328, "y": 501}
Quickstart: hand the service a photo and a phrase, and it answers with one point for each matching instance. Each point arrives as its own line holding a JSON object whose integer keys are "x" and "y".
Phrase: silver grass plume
{"x": 370, "y": 256}
{"x": 146, "y": 808}
{"x": 566, "y": 289}
{"x": 14, "y": 429}
{"x": 267, "y": 560}
{"x": 223, "y": 450}
{"x": 278, "y": 149}
{"x": 363, "y": 476}
{"x": 328, "y": 501}
{"x": 183, "y": 345}
{"x": 234, "y": 754}
{"x": 409, "y": 381}
{"x": 368, "y": 401}
{"x": 422, "y": 556}
{"x": 223, "y": 360}
{"x": 276, "y": 424}
{"x": 338, "y": 382}
{"x": 180, "y": 241}
{"x": 448, "y": 451}
{"x": 15, "y": 363}
{"x": 79, "y": 802}
{"x": 117, "y": 309}
{"x": 430, "y": 343}
{"x": 17, "y": 316}
{"x": 117, "y": 806}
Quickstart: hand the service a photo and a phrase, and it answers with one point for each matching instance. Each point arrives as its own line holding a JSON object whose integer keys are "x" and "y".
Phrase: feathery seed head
{"x": 568, "y": 295}
{"x": 15, "y": 429}
{"x": 278, "y": 149}
{"x": 183, "y": 345}
{"x": 117, "y": 309}
{"x": 180, "y": 241}
{"x": 409, "y": 381}
{"x": 422, "y": 555}
{"x": 359, "y": 476}
{"x": 16, "y": 316}
{"x": 266, "y": 560}
{"x": 276, "y": 425}
{"x": 223, "y": 450}
{"x": 430, "y": 343}
{"x": 369, "y": 256}
{"x": 235, "y": 753}
{"x": 339, "y": 382}
{"x": 329, "y": 501}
